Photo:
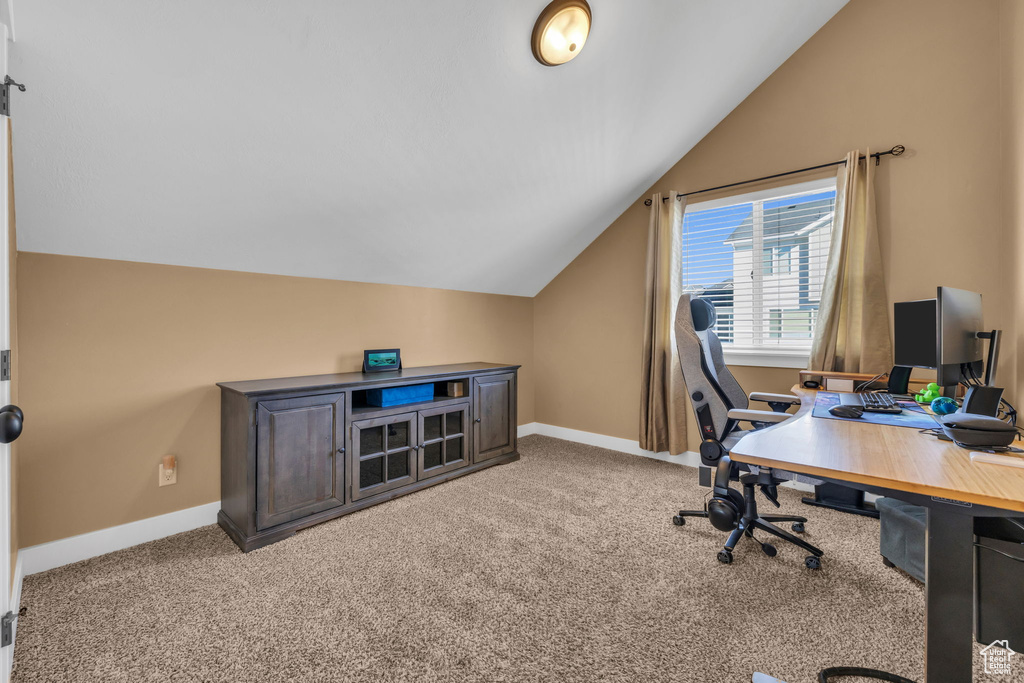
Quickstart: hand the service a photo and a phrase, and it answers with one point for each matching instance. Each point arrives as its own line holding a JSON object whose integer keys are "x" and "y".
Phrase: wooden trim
{"x": 312, "y": 384}
{"x": 855, "y": 376}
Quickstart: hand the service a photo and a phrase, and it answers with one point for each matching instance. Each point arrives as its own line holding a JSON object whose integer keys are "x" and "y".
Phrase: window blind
{"x": 760, "y": 259}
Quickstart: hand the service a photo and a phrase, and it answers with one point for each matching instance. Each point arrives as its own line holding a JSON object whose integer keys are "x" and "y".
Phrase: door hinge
{"x": 5, "y": 94}
{"x": 5, "y": 365}
{"x": 7, "y": 626}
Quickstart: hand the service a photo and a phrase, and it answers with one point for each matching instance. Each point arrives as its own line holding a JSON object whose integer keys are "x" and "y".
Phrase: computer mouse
{"x": 846, "y": 411}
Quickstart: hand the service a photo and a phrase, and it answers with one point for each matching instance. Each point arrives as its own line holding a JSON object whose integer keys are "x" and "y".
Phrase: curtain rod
{"x": 896, "y": 151}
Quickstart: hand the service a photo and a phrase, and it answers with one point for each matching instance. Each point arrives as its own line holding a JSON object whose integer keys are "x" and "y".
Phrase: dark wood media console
{"x": 297, "y": 451}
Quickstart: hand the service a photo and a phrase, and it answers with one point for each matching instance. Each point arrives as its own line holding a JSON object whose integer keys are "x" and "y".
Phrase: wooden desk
{"x": 897, "y": 458}
{"x": 901, "y": 463}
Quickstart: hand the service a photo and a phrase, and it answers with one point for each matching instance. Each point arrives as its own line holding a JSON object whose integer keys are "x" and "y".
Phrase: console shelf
{"x": 298, "y": 451}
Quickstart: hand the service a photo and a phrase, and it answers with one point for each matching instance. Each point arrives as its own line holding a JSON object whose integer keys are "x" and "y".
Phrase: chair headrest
{"x": 703, "y": 313}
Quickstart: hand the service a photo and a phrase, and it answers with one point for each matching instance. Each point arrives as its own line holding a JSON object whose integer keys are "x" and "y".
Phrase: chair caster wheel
{"x": 679, "y": 521}
{"x": 769, "y": 549}
{"x": 812, "y": 562}
{"x": 798, "y": 527}
{"x": 725, "y": 556}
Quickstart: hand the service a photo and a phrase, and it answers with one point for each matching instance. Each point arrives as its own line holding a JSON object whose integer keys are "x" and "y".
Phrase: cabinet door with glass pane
{"x": 383, "y": 454}
{"x": 444, "y": 441}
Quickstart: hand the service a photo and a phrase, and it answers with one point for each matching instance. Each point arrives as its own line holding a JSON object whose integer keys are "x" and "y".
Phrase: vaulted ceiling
{"x": 411, "y": 142}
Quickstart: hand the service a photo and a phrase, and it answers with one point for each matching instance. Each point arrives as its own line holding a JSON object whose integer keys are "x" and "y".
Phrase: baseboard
{"x": 612, "y": 443}
{"x": 615, "y": 443}
{"x": 40, "y": 558}
{"x": 526, "y": 429}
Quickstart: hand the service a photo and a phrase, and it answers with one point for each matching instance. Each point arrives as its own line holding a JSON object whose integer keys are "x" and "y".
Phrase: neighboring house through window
{"x": 766, "y": 306}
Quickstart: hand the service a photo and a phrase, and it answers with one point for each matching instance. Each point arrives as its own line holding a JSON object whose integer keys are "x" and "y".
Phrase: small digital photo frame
{"x": 382, "y": 360}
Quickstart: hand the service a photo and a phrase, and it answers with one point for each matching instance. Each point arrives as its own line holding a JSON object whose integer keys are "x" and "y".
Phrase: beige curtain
{"x": 852, "y": 331}
{"x": 663, "y": 396}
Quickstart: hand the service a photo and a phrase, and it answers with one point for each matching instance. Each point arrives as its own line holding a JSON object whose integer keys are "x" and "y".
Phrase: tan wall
{"x": 120, "y": 359}
{"x": 922, "y": 73}
{"x": 1012, "y": 46}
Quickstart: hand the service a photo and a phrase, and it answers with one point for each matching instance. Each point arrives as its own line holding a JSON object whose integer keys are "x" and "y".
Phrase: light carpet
{"x": 564, "y": 566}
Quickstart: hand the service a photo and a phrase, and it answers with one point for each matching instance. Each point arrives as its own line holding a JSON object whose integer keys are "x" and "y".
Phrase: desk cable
{"x": 825, "y": 675}
{"x": 864, "y": 385}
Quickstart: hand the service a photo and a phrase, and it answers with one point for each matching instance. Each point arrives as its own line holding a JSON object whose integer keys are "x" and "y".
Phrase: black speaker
{"x": 982, "y": 401}
{"x": 899, "y": 379}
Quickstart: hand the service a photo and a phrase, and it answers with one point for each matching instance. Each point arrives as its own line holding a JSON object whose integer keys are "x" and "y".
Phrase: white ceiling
{"x": 411, "y": 142}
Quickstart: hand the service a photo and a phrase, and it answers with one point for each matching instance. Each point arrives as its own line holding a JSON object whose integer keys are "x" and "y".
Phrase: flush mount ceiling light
{"x": 561, "y": 31}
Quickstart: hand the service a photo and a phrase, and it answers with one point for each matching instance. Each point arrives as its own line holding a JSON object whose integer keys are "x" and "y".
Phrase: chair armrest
{"x": 774, "y": 398}
{"x": 758, "y": 415}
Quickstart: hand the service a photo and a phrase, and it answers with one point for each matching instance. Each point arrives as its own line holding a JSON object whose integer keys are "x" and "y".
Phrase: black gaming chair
{"x": 720, "y": 405}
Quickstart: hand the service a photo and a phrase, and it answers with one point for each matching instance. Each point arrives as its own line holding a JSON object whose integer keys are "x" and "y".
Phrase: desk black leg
{"x": 949, "y": 611}
{"x": 949, "y": 602}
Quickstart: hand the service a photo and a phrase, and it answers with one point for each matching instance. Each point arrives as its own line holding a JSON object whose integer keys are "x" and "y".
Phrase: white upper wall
{"x": 396, "y": 141}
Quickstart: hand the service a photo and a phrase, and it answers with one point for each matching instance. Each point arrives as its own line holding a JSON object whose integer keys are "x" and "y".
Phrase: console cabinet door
{"x": 444, "y": 439}
{"x": 383, "y": 454}
{"x": 300, "y": 463}
{"x": 494, "y": 427}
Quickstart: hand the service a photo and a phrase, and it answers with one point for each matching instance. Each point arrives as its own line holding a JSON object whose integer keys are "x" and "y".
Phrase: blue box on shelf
{"x": 397, "y": 396}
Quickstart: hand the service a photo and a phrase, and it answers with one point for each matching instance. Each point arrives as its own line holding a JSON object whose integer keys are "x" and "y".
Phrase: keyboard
{"x": 872, "y": 403}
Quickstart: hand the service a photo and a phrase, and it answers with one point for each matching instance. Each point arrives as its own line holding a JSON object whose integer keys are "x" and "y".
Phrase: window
{"x": 767, "y": 305}
{"x": 777, "y": 260}
{"x": 791, "y": 324}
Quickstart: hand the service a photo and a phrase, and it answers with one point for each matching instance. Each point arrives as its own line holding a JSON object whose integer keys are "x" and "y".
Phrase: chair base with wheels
{"x": 721, "y": 515}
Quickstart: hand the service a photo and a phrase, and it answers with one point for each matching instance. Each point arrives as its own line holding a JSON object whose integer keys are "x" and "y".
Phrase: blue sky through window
{"x": 707, "y": 260}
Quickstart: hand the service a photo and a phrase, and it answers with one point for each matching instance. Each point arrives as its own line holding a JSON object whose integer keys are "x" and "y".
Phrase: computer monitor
{"x": 915, "y": 324}
{"x": 960, "y": 347}
{"x": 945, "y": 334}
